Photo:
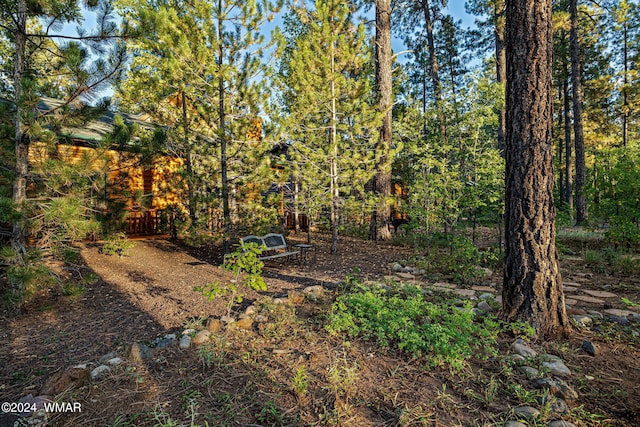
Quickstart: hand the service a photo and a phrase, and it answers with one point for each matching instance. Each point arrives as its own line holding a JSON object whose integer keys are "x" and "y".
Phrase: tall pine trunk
{"x": 568, "y": 191}
{"x": 433, "y": 69}
{"x": 333, "y": 167}
{"x": 501, "y": 66}
{"x": 226, "y": 210}
{"x": 380, "y": 226}
{"x": 532, "y": 289}
{"x": 21, "y": 137}
{"x": 578, "y": 126}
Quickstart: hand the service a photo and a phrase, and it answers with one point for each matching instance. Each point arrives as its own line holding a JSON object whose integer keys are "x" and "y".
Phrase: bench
{"x": 274, "y": 246}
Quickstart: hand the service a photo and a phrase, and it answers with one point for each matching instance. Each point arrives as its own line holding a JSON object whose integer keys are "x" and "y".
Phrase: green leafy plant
{"x": 245, "y": 260}
{"x": 117, "y": 244}
{"x": 402, "y": 318}
{"x": 300, "y": 381}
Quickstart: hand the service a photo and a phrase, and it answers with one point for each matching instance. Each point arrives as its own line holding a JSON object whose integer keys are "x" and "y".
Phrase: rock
{"x": 583, "y": 321}
{"x": 71, "y": 378}
{"x": 295, "y": 297}
{"x": 100, "y": 372}
{"x": 521, "y": 348}
{"x": 596, "y": 314}
{"x": 470, "y": 293}
{"x": 189, "y": 332}
{"x": 517, "y": 358}
{"x": 557, "y": 387}
{"x": 227, "y": 319}
{"x": 108, "y": 356}
{"x": 165, "y": 341}
{"x": 483, "y": 272}
{"x": 484, "y": 306}
{"x": 406, "y": 276}
{"x": 514, "y": 424}
{"x": 407, "y": 270}
{"x": 600, "y": 294}
{"x": 526, "y": 412}
{"x": 314, "y": 292}
{"x": 486, "y": 295}
{"x": 250, "y": 311}
{"x": 556, "y": 406}
{"x": 214, "y": 326}
{"x": 560, "y": 423}
{"x": 475, "y": 310}
{"x": 529, "y": 372}
{"x": 280, "y": 301}
{"x": 30, "y": 400}
{"x": 589, "y": 299}
{"x": 620, "y": 315}
{"x": 589, "y": 347}
{"x": 114, "y": 362}
{"x": 185, "y": 342}
{"x": 557, "y": 367}
{"x": 139, "y": 352}
{"x": 396, "y": 267}
{"x": 482, "y": 288}
{"x": 201, "y": 337}
{"x": 244, "y": 323}
{"x": 261, "y": 318}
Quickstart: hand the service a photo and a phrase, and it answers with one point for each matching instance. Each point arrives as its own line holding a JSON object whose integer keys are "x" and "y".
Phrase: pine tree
{"x": 210, "y": 53}
{"x": 330, "y": 123}
{"x": 47, "y": 61}
{"x": 532, "y": 282}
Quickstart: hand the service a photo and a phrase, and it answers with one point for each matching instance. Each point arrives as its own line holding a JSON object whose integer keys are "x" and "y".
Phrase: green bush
{"x": 401, "y": 318}
{"x": 117, "y": 244}
{"x": 245, "y": 260}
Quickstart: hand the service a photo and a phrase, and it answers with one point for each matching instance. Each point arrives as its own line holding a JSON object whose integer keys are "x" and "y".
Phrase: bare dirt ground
{"x": 251, "y": 377}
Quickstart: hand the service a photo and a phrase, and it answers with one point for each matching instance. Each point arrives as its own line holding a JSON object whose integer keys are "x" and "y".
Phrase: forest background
{"x": 307, "y": 106}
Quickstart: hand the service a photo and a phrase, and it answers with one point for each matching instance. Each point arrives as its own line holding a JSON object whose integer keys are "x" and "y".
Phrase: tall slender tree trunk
{"x": 380, "y": 226}
{"x": 226, "y": 210}
{"x": 578, "y": 126}
{"x": 189, "y": 161}
{"x": 333, "y": 168}
{"x": 501, "y": 66}
{"x": 433, "y": 68}
{"x": 568, "y": 191}
{"x": 532, "y": 289}
{"x": 625, "y": 97}
{"x": 560, "y": 154}
{"x": 21, "y": 137}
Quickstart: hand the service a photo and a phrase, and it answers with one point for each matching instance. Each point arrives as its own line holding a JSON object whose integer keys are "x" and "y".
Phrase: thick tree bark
{"x": 501, "y": 65}
{"x": 380, "y": 227}
{"x": 532, "y": 283}
{"x": 578, "y": 126}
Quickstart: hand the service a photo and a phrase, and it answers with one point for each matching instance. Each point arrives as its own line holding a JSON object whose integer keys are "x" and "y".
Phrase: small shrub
{"x": 593, "y": 259}
{"x": 300, "y": 381}
{"x": 625, "y": 264}
{"x": 25, "y": 281}
{"x": 244, "y": 260}
{"x": 441, "y": 333}
{"x": 117, "y": 244}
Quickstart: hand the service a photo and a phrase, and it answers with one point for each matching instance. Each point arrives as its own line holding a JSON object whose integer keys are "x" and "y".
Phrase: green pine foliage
{"x": 330, "y": 122}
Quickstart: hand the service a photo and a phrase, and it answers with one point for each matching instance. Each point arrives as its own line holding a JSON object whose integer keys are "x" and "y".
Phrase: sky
{"x": 456, "y": 8}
